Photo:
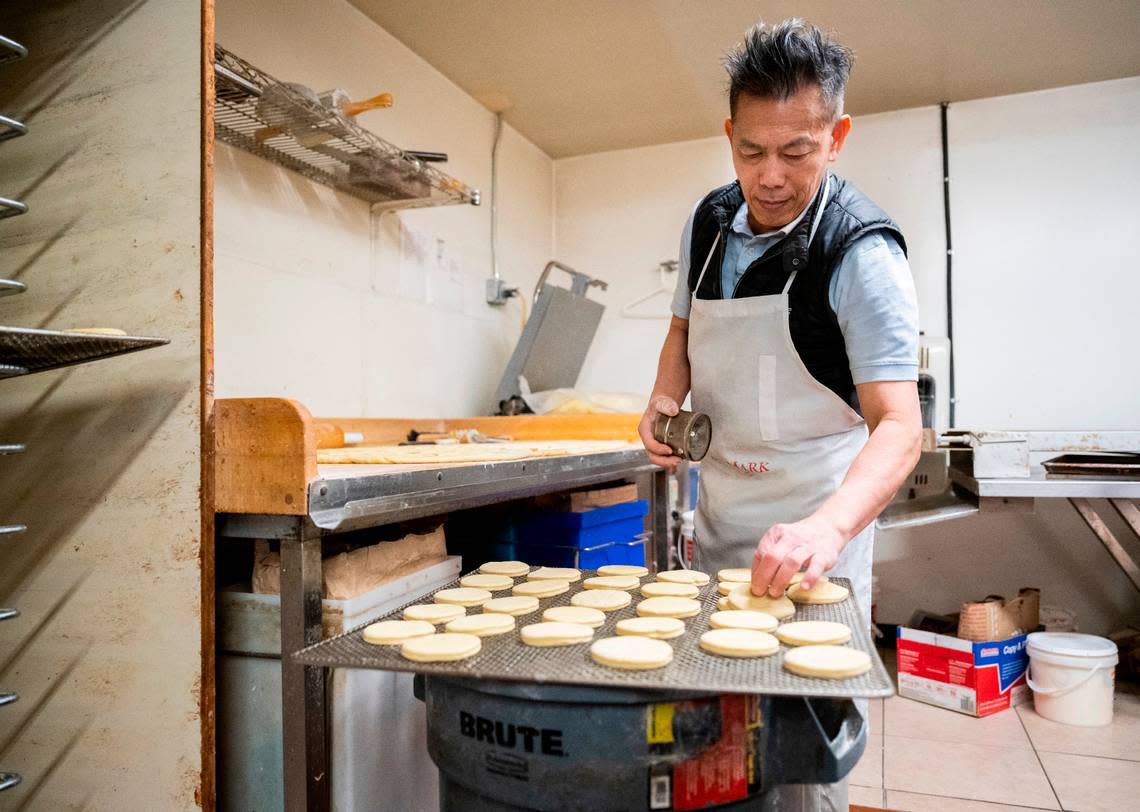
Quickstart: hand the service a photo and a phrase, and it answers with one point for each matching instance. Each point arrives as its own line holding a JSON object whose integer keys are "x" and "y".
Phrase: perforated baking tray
{"x": 506, "y": 657}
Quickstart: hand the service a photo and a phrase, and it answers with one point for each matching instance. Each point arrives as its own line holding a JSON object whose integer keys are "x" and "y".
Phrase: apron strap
{"x": 788, "y": 284}
{"x": 708, "y": 259}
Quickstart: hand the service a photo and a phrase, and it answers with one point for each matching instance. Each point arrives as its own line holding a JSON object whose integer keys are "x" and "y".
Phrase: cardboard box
{"x": 972, "y": 678}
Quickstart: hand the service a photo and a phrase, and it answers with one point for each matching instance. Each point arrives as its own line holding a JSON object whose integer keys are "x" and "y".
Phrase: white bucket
{"x": 1071, "y": 676}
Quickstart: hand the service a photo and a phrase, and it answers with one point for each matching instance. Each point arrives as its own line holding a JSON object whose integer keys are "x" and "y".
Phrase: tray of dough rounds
{"x": 506, "y": 657}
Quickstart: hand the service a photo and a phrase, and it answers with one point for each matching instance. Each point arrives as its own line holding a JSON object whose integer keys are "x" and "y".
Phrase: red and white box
{"x": 972, "y": 678}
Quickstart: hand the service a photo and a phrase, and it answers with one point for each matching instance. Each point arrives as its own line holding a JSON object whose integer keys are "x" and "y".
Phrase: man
{"x": 796, "y": 329}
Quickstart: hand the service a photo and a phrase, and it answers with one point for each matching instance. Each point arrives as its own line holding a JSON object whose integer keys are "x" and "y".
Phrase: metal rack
{"x": 26, "y": 350}
{"x": 292, "y": 128}
{"x": 10, "y": 50}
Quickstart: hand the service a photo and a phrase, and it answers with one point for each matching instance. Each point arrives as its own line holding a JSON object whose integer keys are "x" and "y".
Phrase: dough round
{"x": 434, "y": 612}
{"x": 623, "y": 569}
{"x": 396, "y": 631}
{"x": 512, "y": 568}
{"x": 552, "y": 633}
{"x": 607, "y": 600}
{"x": 742, "y": 598}
{"x": 636, "y": 653}
{"x": 743, "y": 619}
{"x": 722, "y": 603}
{"x": 492, "y": 583}
{"x": 463, "y": 596}
{"x": 540, "y": 589}
{"x": 668, "y": 607}
{"x": 484, "y": 625}
{"x": 740, "y": 575}
{"x": 583, "y": 615}
{"x": 684, "y": 577}
{"x": 440, "y": 648}
{"x": 827, "y": 662}
{"x": 515, "y": 605}
{"x": 660, "y": 628}
{"x": 566, "y": 574}
{"x": 814, "y": 633}
{"x": 822, "y": 592}
{"x": 739, "y": 643}
{"x": 662, "y": 589}
{"x": 612, "y": 582}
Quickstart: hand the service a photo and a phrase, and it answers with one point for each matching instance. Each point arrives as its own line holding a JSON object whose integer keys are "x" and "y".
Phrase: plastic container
{"x": 622, "y": 522}
{"x": 685, "y": 543}
{"x": 1071, "y": 676}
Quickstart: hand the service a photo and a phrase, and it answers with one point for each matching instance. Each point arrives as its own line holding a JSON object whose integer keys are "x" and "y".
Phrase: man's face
{"x": 781, "y": 150}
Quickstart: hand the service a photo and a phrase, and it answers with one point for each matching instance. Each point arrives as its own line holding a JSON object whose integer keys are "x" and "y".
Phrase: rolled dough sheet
{"x": 464, "y": 452}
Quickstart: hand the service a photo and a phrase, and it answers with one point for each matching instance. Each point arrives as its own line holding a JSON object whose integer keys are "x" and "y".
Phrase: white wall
{"x": 1042, "y": 210}
{"x": 315, "y": 298}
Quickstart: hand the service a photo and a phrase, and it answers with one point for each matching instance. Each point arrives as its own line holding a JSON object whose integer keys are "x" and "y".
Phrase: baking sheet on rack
{"x": 506, "y": 657}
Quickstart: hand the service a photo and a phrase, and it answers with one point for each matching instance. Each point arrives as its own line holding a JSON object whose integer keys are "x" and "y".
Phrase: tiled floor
{"x": 924, "y": 758}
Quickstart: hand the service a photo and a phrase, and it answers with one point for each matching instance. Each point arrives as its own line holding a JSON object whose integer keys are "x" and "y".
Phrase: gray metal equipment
{"x": 554, "y": 343}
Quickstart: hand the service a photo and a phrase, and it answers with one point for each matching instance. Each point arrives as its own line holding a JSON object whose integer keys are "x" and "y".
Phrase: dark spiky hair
{"x": 777, "y": 61}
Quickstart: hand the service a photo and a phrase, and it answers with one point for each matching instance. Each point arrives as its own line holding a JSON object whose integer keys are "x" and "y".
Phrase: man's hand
{"x": 786, "y": 548}
{"x": 659, "y": 453}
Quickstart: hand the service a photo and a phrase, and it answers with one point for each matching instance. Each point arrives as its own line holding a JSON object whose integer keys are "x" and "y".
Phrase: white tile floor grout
{"x": 1100, "y": 767}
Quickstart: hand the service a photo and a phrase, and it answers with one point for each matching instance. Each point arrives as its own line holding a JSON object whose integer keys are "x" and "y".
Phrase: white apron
{"x": 781, "y": 441}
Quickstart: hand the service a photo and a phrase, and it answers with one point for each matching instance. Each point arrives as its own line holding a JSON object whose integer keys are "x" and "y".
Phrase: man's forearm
{"x": 673, "y": 365}
{"x": 891, "y": 452}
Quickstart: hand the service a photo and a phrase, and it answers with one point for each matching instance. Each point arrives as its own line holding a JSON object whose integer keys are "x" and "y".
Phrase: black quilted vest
{"x": 848, "y": 215}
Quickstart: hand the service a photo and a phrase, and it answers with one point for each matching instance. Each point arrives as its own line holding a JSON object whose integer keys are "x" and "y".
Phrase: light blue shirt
{"x": 872, "y": 294}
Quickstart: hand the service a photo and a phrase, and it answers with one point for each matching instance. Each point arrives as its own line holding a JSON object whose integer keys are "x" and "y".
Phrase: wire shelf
{"x": 24, "y": 350}
{"x": 281, "y": 123}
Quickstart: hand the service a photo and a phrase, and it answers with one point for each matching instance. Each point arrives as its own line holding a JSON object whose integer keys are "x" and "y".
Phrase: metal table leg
{"x": 303, "y": 726}
{"x": 1110, "y": 542}
{"x": 661, "y": 510}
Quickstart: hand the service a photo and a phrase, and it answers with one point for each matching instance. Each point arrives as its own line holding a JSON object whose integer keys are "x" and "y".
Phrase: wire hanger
{"x": 664, "y": 288}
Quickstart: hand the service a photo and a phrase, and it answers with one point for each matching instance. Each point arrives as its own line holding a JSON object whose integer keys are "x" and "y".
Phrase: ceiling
{"x": 581, "y": 76}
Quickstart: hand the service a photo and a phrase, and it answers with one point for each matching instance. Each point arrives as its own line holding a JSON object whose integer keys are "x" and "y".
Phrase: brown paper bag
{"x": 995, "y": 618}
{"x": 349, "y": 574}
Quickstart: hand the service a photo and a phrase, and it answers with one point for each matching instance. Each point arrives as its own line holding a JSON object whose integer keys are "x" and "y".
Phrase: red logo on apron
{"x": 751, "y": 467}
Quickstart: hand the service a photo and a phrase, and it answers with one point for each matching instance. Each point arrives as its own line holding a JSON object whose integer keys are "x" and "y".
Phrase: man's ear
{"x": 839, "y": 136}
{"x": 728, "y": 127}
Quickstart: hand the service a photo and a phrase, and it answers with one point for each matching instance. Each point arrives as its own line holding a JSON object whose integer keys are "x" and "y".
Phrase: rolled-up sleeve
{"x": 873, "y": 296}
{"x": 682, "y": 300}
